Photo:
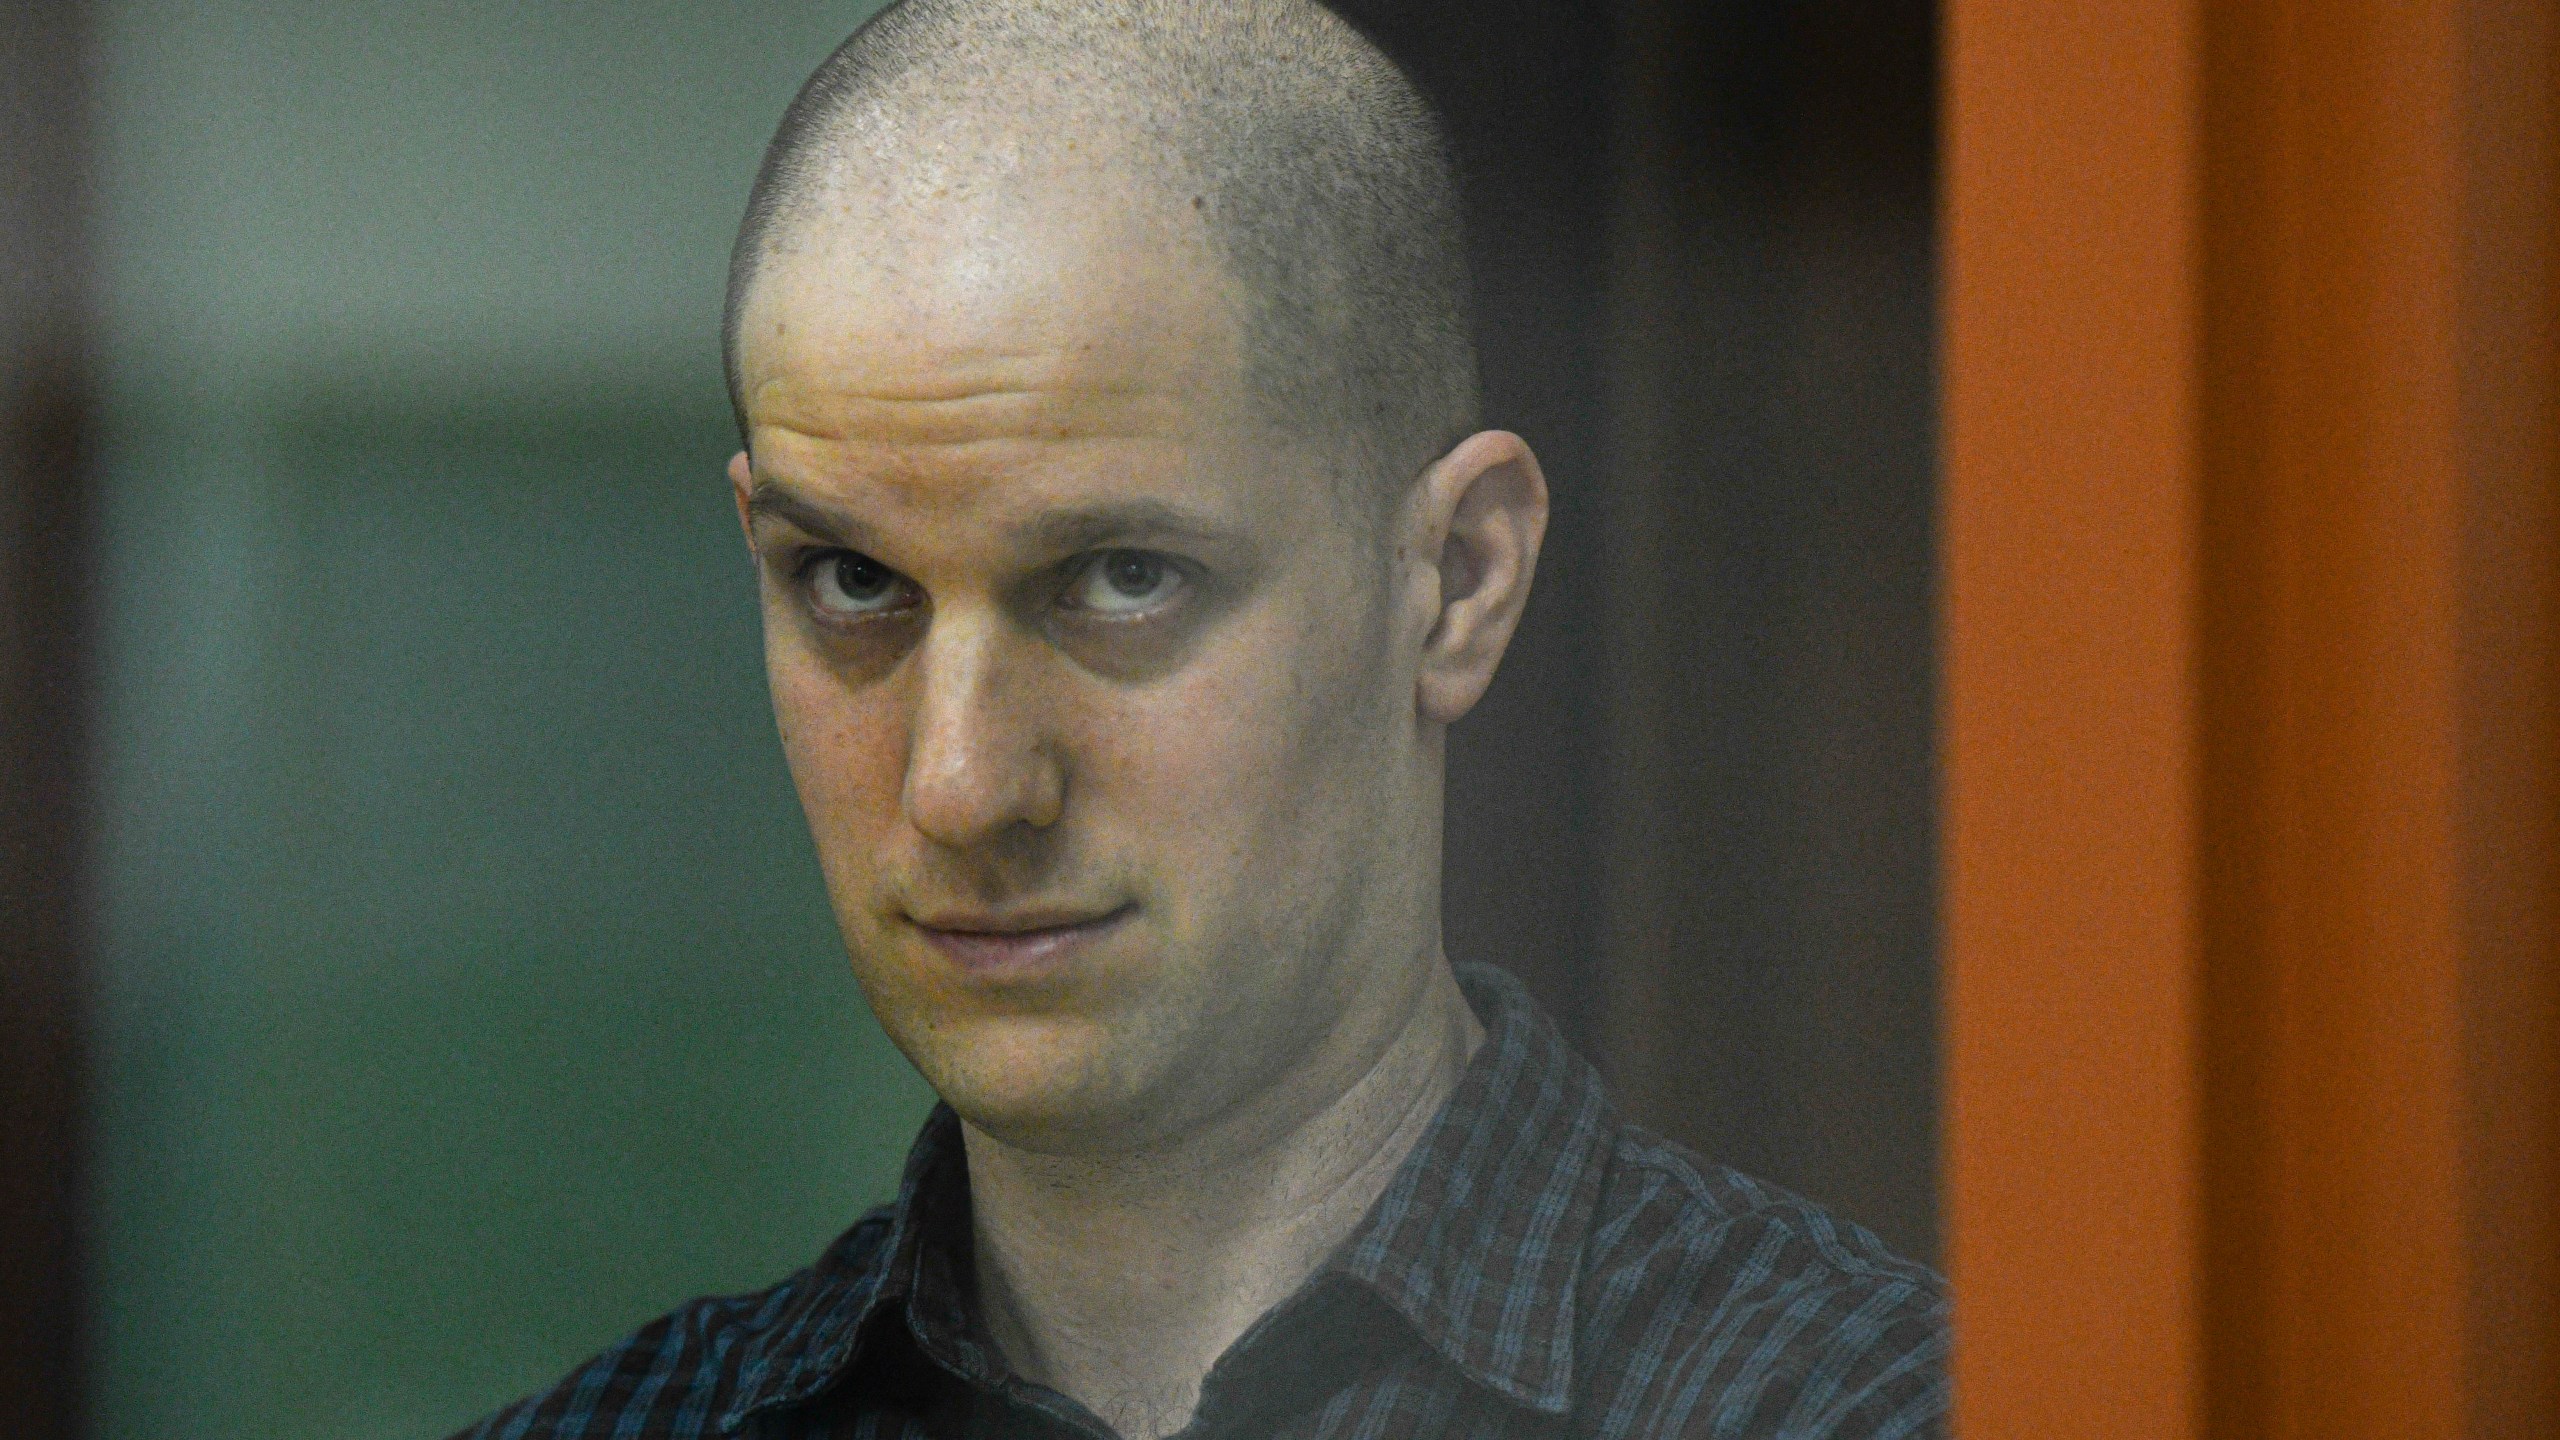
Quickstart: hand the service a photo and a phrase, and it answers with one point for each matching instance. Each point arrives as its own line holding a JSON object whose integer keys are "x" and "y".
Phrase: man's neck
{"x": 1121, "y": 1280}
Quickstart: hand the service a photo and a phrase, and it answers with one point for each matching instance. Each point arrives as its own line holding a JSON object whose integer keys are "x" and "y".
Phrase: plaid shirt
{"x": 1537, "y": 1267}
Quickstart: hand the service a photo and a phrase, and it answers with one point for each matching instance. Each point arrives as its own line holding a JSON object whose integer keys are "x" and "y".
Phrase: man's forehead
{"x": 830, "y": 387}
{"x": 952, "y": 313}
{"x": 995, "y": 374}
{"x": 959, "y": 404}
{"x": 984, "y": 486}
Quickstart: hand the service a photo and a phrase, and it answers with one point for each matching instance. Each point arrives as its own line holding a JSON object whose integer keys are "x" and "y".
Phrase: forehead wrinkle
{"x": 968, "y": 424}
{"x": 1006, "y": 470}
{"x": 850, "y": 406}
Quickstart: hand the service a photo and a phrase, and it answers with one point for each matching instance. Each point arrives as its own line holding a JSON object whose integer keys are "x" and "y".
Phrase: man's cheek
{"x": 845, "y": 754}
{"x": 1202, "y": 785}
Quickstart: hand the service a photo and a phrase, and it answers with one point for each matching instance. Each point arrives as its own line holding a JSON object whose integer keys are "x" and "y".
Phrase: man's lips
{"x": 999, "y": 945}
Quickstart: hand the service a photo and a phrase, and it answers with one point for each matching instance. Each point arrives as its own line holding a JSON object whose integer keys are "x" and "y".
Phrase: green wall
{"x": 468, "y": 992}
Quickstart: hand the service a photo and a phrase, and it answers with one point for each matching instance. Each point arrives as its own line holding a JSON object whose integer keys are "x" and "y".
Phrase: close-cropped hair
{"x": 1324, "y": 178}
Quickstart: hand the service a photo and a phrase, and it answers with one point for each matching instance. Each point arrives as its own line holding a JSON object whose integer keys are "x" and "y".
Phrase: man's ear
{"x": 1478, "y": 516}
{"x": 741, "y": 485}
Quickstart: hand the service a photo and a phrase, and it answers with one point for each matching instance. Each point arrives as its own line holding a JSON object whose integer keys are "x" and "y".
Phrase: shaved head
{"x": 1314, "y": 171}
{"x": 1126, "y": 547}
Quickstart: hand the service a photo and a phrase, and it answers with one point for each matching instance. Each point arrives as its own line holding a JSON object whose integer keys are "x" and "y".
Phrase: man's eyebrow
{"x": 1080, "y": 527}
{"x": 1084, "y": 527}
{"x": 768, "y": 498}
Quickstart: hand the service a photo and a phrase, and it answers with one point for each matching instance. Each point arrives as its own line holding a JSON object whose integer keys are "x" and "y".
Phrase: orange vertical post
{"x": 2069, "y": 737}
{"x": 2250, "y": 537}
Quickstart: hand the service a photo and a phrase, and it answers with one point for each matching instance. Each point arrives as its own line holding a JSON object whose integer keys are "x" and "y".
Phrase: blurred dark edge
{"x": 45, "y": 517}
{"x": 1694, "y": 814}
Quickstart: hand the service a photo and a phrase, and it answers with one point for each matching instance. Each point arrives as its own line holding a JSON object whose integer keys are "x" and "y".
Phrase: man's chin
{"x": 1050, "y": 1083}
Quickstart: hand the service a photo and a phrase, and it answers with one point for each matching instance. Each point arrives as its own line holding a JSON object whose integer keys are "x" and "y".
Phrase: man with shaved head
{"x": 1128, "y": 542}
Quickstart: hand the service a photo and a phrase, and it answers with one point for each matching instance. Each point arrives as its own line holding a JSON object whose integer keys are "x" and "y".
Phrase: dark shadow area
{"x": 1782, "y": 341}
{"x": 47, "y": 517}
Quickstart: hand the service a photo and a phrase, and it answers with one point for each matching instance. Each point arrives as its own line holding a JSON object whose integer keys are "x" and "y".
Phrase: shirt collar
{"x": 1477, "y": 1242}
{"x": 820, "y": 1330}
{"x": 1479, "y": 1239}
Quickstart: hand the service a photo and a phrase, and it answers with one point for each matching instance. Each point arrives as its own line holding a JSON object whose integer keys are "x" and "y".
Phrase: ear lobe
{"x": 1485, "y": 504}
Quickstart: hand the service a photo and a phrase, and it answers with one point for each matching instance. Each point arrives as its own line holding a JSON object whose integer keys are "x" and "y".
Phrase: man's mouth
{"x": 999, "y": 946}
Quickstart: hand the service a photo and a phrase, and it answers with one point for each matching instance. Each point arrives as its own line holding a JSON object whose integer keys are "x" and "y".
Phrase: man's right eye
{"x": 848, "y": 585}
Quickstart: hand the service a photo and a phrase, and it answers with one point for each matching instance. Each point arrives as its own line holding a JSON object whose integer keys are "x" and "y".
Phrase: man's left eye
{"x": 1123, "y": 582}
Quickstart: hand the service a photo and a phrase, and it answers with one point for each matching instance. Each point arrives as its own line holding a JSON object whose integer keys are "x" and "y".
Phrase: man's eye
{"x": 844, "y": 583}
{"x": 1123, "y": 582}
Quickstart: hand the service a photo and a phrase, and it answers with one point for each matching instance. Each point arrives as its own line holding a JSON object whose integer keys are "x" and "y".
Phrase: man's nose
{"x": 977, "y": 763}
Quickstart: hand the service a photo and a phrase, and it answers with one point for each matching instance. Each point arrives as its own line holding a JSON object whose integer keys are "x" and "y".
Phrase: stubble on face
{"x": 978, "y": 394}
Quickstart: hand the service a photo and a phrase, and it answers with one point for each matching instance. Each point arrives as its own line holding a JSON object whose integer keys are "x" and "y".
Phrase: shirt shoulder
{"x": 1713, "y": 1304}
{"x": 673, "y": 1378}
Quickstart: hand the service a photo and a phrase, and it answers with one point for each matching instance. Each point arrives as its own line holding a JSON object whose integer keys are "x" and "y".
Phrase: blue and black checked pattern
{"x": 1538, "y": 1267}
